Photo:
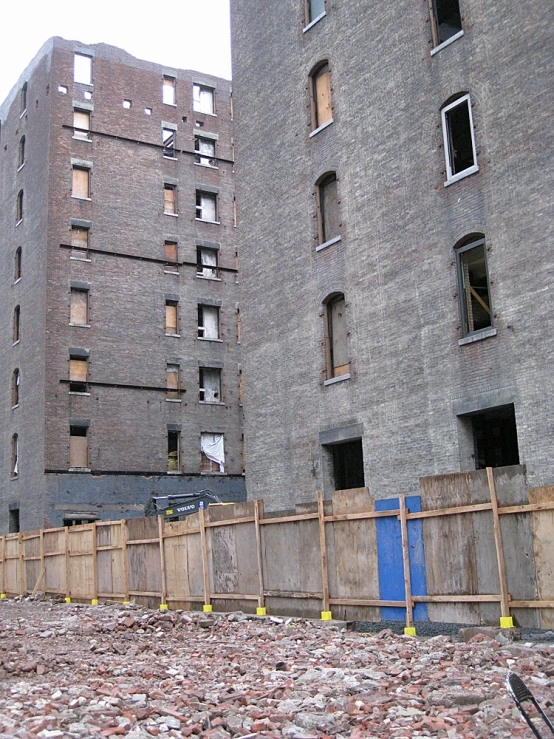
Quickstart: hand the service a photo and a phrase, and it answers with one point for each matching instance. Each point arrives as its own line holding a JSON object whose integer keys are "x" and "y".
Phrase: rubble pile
{"x": 74, "y": 671}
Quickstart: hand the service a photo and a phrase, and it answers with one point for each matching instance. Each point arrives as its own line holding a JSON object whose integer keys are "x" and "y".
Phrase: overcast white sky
{"x": 169, "y": 33}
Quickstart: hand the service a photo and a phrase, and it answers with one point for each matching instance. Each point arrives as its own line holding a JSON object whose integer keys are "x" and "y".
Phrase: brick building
{"x": 118, "y": 288}
{"x": 395, "y": 211}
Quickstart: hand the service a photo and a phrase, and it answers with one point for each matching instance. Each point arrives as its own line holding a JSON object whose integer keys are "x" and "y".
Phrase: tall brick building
{"x": 118, "y": 288}
{"x": 395, "y": 212}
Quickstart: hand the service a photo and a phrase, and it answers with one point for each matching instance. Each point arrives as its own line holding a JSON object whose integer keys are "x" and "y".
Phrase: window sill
{"x": 173, "y": 159}
{"x": 446, "y": 43}
{"x": 82, "y": 138}
{"x": 81, "y": 259}
{"x": 203, "y": 277}
{"x": 213, "y": 473}
{"x": 18, "y": 280}
{"x": 23, "y": 113}
{"x": 320, "y": 128}
{"x": 203, "y": 220}
{"x": 167, "y": 213}
{"x": 204, "y": 112}
{"x": 16, "y": 342}
{"x": 78, "y": 197}
{"x": 74, "y": 392}
{"x": 485, "y": 333}
{"x": 15, "y": 406}
{"x": 461, "y": 175}
{"x": 171, "y": 105}
{"x": 174, "y": 336}
{"x": 20, "y": 167}
{"x": 16, "y": 477}
{"x": 207, "y": 402}
{"x": 78, "y": 469}
{"x": 172, "y": 400}
{"x": 170, "y": 272}
{"x": 174, "y": 472}
{"x": 18, "y": 222}
{"x": 80, "y": 325}
{"x": 328, "y": 243}
{"x": 205, "y": 338}
{"x": 312, "y": 23}
{"x": 208, "y": 166}
{"x": 333, "y": 380}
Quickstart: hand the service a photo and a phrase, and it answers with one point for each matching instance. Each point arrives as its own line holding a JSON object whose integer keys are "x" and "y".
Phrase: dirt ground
{"x": 72, "y": 670}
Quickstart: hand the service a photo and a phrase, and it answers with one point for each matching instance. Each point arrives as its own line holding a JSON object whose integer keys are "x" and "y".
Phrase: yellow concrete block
{"x": 326, "y": 616}
{"x": 67, "y": 600}
{"x": 2, "y": 595}
{"x": 163, "y": 607}
{"x": 94, "y": 602}
{"x": 506, "y": 622}
{"x": 410, "y": 630}
{"x": 126, "y": 602}
{"x": 261, "y": 611}
{"x": 208, "y": 609}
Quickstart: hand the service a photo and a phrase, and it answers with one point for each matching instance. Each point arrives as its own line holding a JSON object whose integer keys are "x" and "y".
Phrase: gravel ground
{"x": 72, "y": 671}
{"x": 425, "y": 628}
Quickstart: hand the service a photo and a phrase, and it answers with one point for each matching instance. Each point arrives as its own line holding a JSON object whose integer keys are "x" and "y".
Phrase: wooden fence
{"x": 322, "y": 561}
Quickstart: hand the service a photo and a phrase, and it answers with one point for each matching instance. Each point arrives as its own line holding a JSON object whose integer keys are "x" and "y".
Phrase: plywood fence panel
{"x": 80, "y": 565}
{"x": 54, "y": 578}
{"x": 110, "y": 570}
{"x": 12, "y": 581}
{"x": 542, "y": 524}
{"x": 32, "y": 561}
{"x": 145, "y": 574}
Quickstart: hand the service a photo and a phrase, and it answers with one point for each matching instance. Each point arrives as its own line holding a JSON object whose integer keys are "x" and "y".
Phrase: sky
{"x": 169, "y": 33}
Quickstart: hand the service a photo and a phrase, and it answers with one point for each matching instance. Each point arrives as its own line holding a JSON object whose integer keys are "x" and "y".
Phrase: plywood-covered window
{"x": 19, "y": 207}
{"x": 170, "y": 199}
{"x": 79, "y": 307}
{"x": 206, "y": 206}
{"x": 168, "y": 90}
{"x": 207, "y": 262}
{"x": 474, "y": 286}
{"x": 15, "y": 388}
{"x": 321, "y": 95}
{"x": 17, "y": 265}
{"x": 15, "y": 456}
{"x": 78, "y": 367}
{"x": 171, "y": 257}
{"x": 78, "y": 447}
{"x": 336, "y": 337}
{"x": 16, "y": 334}
{"x": 459, "y": 139}
{"x": 173, "y": 451}
{"x": 79, "y": 242}
{"x": 210, "y": 385}
{"x": 173, "y": 383}
{"x": 21, "y": 153}
{"x": 80, "y": 187}
{"x": 212, "y": 449}
{"x": 327, "y": 208}
{"x": 81, "y": 124}
{"x": 203, "y": 99}
{"x": 446, "y": 20}
{"x": 82, "y": 69}
{"x": 171, "y": 317}
{"x": 205, "y": 151}
{"x": 208, "y": 322}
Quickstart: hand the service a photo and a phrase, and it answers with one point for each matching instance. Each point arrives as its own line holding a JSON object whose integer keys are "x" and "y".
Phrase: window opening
{"x": 171, "y": 318}
{"x": 205, "y": 149}
{"x": 206, "y": 262}
{"x": 212, "y": 453}
{"x": 127, "y": 104}
{"x": 170, "y": 256}
{"x": 321, "y": 96}
{"x": 77, "y": 521}
{"x": 168, "y": 140}
{"x": 16, "y": 324}
{"x": 62, "y": 89}
{"x": 348, "y": 465}
{"x": 78, "y": 367}
{"x": 336, "y": 338}
{"x": 79, "y": 242}
{"x": 314, "y": 8}
{"x": 459, "y": 141}
{"x": 474, "y": 287}
{"x": 495, "y": 437}
{"x": 24, "y": 98}
{"x": 203, "y": 99}
{"x": 208, "y": 322}
{"x": 17, "y": 267}
{"x": 87, "y": 94}
{"x": 79, "y": 307}
{"x": 210, "y": 385}
{"x": 148, "y": 111}
{"x": 15, "y": 456}
{"x": 173, "y": 382}
{"x": 169, "y": 199}
{"x": 168, "y": 90}
{"x": 15, "y": 388}
{"x": 13, "y": 522}
{"x": 78, "y": 447}
{"x": 173, "y": 439}
{"x": 81, "y": 124}
{"x": 328, "y": 211}
{"x": 206, "y": 206}
{"x": 81, "y": 183}
{"x": 21, "y": 158}
{"x": 19, "y": 208}
{"x": 446, "y": 20}
{"x": 82, "y": 69}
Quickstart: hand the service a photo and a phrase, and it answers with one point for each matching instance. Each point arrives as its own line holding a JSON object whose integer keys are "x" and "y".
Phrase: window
{"x": 15, "y": 388}
{"x": 80, "y": 187}
{"x": 475, "y": 298}
{"x": 238, "y": 325}
{"x": 336, "y": 337}
{"x": 127, "y": 104}
{"x": 168, "y": 140}
{"x": 78, "y": 307}
{"x": 19, "y": 208}
{"x": 208, "y": 322}
{"x": 314, "y": 10}
{"x": 327, "y": 209}
{"x": 168, "y": 90}
{"x": 488, "y": 438}
{"x": 213, "y": 453}
{"x": 15, "y": 456}
{"x": 203, "y": 99}
{"x": 446, "y": 20}
{"x": 23, "y": 99}
{"x": 206, "y": 206}
{"x": 78, "y": 447}
{"x": 78, "y": 374}
{"x": 21, "y": 157}
{"x": 210, "y": 385}
{"x": 87, "y": 94}
{"x": 79, "y": 242}
{"x": 148, "y": 111}
{"x": 171, "y": 318}
{"x": 173, "y": 383}
{"x": 62, "y": 89}
{"x": 347, "y": 463}
{"x": 13, "y": 523}
{"x": 173, "y": 451}
{"x": 170, "y": 200}
{"x": 170, "y": 256}
{"x": 17, "y": 265}
{"x": 81, "y": 124}
{"x": 206, "y": 262}
{"x": 205, "y": 149}
{"x": 16, "y": 324}
{"x": 321, "y": 96}
{"x": 82, "y": 69}
{"x": 459, "y": 141}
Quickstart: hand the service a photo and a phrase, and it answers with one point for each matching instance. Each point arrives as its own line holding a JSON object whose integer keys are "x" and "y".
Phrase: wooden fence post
{"x": 258, "y": 513}
{"x": 3, "y": 593}
{"x": 205, "y": 570}
{"x": 163, "y": 604}
{"x": 94, "y": 600}
{"x": 326, "y": 614}
{"x": 67, "y": 588}
{"x": 406, "y": 560}
{"x": 22, "y": 569}
{"x": 506, "y": 621}
{"x": 126, "y": 597}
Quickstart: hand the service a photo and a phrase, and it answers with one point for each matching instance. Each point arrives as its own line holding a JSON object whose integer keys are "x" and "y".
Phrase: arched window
{"x": 16, "y": 322}
{"x": 15, "y": 456}
{"x": 21, "y": 158}
{"x": 24, "y": 98}
{"x": 15, "y": 388}
{"x": 459, "y": 140}
{"x": 336, "y": 337}
{"x": 17, "y": 265}
{"x": 320, "y": 82}
{"x": 327, "y": 209}
{"x": 19, "y": 207}
{"x": 475, "y": 299}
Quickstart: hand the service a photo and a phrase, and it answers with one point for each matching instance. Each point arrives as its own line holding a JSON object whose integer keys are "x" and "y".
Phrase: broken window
{"x": 15, "y": 388}
{"x": 15, "y": 456}
{"x": 13, "y": 523}
{"x": 210, "y": 385}
{"x": 23, "y": 99}
{"x": 17, "y": 266}
{"x": 168, "y": 141}
{"x": 79, "y": 242}
{"x": 168, "y": 90}
{"x": 336, "y": 337}
{"x": 328, "y": 209}
{"x": 474, "y": 286}
{"x": 171, "y": 318}
{"x": 205, "y": 149}
{"x": 206, "y": 206}
{"x": 78, "y": 447}
{"x": 212, "y": 452}
{"x": 78, "y": 307}
{"x": 321, "y": 95}
{"x": 81, "y": 183}
{"x": 208, "y": 321}
{"x": 21, "y": 157}
{"x": 495, "y": 440}
{"x": 78, "y": 374}
{"x": 203, "y": 99}
{"x": 170, "y": 206}
{"x": 348, "y": 465}
{"x": 459, "y": 141}
{"x": 173, "y": 382}
{"x": 82, "y": 69}
{"x": 170, "y": 256}
{"x": 81, "y": 124}
{"x": 19, "y": 208}
{"x": 173, "y": 443}
{"x": 446, "y": 20}
{"x": 16, "y": 324}
{"x": 314, "y": 9}
{"x": 206, "y": 262}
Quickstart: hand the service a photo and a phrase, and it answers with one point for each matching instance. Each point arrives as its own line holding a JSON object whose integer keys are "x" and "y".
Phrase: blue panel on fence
{"x": 391, "y": 566}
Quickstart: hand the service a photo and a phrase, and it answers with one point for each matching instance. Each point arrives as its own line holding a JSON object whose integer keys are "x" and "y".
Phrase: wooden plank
{"x": 22, "y": 583}
{"x": 258, "y": 514}
{"x": 229, "y": 596}
{"x": 39, "y": 580}
{"x": 528, "y": 508}
{"x": 230, "y": 522}
{"x": 290, "y": 519}
{"x": 204, "y": 547}
{"x": 457, "y": 598}
{"x": 323, "y": 552}
{"x": 542, "y": 527}
{"x": 3, "y": 565}
{"x": 292, "y": 594}
{"x": 504, "y": 603}
{"x": 125, "y": 559}
{"x": 406, "y": 561}
{"x": 42, "y": 562}
{"x": 451, "y": 511}
{"x": 360, "y": 516}
{"x": 170, "y": 535}
{"x": 162, "y": 558}
{"x": 533, "y": 603}
{"x": 94, "y": 564}
{"x": 369, "y": 603}
{"x": 143, "y": 541}
{"x": 67, "y": 583}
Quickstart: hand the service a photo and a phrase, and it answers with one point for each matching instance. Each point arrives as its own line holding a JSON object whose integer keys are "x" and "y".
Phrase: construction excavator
{"x": 178, "y": 507}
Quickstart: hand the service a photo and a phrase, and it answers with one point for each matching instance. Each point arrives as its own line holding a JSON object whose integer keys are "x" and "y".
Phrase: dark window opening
{"x": 173, "y": 451}
{"x": 348, "y": 465}
{"x": 495, "y": 437}
{"x": 474, "y": 287}
{"x": 13, "y": 521}
{"x": 168, "y": 140}
{"x": 328, "y": 216}
{"x": 77, "y": 521}
{"x": 23, "y": 103}
{"x": 21, "y": 159}
{"x": 17, "y": 268}
{"x": 446, "y": 19}
{"x": 458, "y": 134}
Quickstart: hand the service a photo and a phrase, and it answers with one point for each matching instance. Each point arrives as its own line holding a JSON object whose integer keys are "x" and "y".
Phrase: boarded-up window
{"x": 210, "y": 385}
{"x": 328, "y": 209}
{"x": 78, "y": 307}
{"x": 446, "y": 20}
{"x": 213, "y": 453}
{"x": 168, "y": 90}
{"x": 16, "y": 324}
{"x": 474, "y": 286}
{"x": 171, "y": 317}
{"x": 206, "y": 262}
{"x": 78, "y": 447}
{"x": 15, "y": 388}
{"x": 170, "y": 254}
{"x": 82, "y": 69}
{"x": 208, "y": 322}
{"x": 173, "y": 438}
{"x": 77, "y": 375}
{"x": 321, "y": 96}
{"x": 81, "y": 124}
{"x": 336, "y": 337}
{"x": 169, "y": 199}
{"x": 173, "y": 382}
{"x": 79, "y": 242}
{"x": 205, "y": 149}
{"x": 203, "y": 99}
{"x": 206, "y": 206}
{"x": 81, "y": 182}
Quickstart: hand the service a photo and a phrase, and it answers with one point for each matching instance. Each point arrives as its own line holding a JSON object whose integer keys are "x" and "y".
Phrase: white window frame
{"x": 197, "y": 106}
{"x": 450, "y": 177}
